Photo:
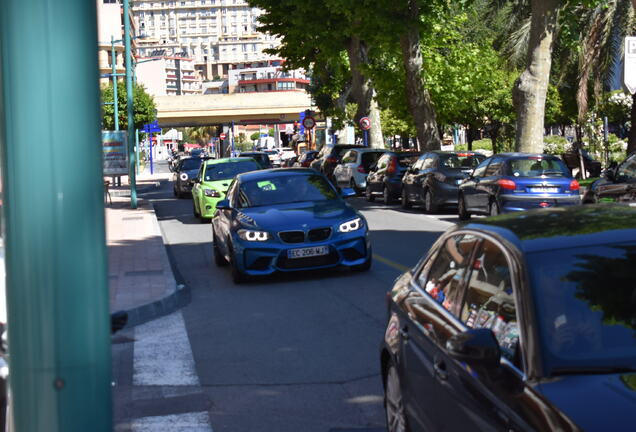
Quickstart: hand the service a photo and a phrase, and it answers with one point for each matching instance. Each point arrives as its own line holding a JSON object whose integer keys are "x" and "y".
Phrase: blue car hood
{"x": 595, "y": 401}
{"x": 298, "y": 215}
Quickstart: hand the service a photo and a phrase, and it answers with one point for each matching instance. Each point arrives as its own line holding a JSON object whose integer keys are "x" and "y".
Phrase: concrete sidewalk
{"x": 140, "y": 277}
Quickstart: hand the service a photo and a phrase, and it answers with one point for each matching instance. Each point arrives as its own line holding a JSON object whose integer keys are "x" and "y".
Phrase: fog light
{"x": 207, "y": 207}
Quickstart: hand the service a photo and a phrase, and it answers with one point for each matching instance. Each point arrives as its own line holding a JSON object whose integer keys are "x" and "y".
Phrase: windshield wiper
{"x": 574, "y": 370}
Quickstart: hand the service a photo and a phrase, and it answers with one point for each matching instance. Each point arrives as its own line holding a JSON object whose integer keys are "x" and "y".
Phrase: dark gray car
{"x": 183, "y": 175}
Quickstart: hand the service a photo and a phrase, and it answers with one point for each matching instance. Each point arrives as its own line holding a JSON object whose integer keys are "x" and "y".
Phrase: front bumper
{"x": 512, "y": 203}
{"x": 184, "y": 186}
{"x": 259, "y": 259}
{"x": 208, "y": 206}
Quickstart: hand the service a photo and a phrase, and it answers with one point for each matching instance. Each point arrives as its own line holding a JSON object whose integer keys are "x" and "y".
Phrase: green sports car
{"x": 213, "y": 180}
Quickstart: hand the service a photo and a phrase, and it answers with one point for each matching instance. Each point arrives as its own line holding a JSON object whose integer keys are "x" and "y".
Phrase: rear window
{"x": 537, "y": 167}
{"x": 369, "y": 158}
{"x": 407, "y": 160}
{"x": 460, "y": 160}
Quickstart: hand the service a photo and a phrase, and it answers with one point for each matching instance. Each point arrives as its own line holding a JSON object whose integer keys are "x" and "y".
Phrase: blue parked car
{"x": 508, "y": 182}
{"x": 286, "y": 220}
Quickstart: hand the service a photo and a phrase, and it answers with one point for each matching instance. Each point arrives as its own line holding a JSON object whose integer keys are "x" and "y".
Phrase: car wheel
{"x": 368, "y": 194}
{"x": 238, "y": 277}
{"x": 494, "y": 208}
{"x": 429, "y": 202}
{"x": 365, "y": 266}
{"x": 219, "y": 259}
{"x": 461, "y": 209}
{"x": 406, "y": 204}
{"x": 386, "y": 196}
{"x": 393, "y": 402}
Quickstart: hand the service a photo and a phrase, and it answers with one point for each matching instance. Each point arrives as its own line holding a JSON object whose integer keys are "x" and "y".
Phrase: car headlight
{"x": 254, "y": 236}
{"x": 212, "y": 193}
{"x": 352, "y": 225}
{"x": 183, "y": 176}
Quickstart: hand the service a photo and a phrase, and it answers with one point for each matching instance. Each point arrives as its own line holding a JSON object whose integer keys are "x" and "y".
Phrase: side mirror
{"x": 476, "y": 347}
{"x": 196, "y": 180}
{"x": 347, "y": 193}
{"x": 223, "y": 205}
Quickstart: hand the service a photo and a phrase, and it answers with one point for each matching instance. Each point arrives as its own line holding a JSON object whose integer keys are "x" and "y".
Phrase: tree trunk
{"x": 631, "y": 140}
{"x": 417, "y": 97}
{"x": 529, "y": 93}
{"x": 494, "y": 134}
{"x": 470, "y": 137}
{"x": 363, "y": 91}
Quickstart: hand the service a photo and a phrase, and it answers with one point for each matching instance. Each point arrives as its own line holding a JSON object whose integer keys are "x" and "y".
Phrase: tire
{"x": 368, "y": 194}
{"x": 493, "y": 208}
{"x": 461, "y": 209}
{"x": 219, "y": 259}
{"x": 406, "y": 204}
{"x": 386, "y": 196}
{"x": 174, "y": 191}
{"x": 194, "y": 210}
{"x": 429, "y": 202}
{"x": 365, "y": 266}
{"x": 393, "y": 402}
{"x": 238, "y": 277}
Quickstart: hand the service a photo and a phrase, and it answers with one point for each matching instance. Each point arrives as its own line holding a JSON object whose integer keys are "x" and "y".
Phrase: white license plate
{"x": 544, "y": 189}
{"x": 308, "y": 252}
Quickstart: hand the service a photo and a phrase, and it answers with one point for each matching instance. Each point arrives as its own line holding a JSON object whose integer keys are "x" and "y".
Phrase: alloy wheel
{"x": 494, "y": 208}
{"x": 393, "y": 403}
{"x": 461, "y": 209}
{"x": 386, "y": 196}
{"x": 429, "y": 204}
{"x": 368, "y": 194}
{"x": 406, "y": 204}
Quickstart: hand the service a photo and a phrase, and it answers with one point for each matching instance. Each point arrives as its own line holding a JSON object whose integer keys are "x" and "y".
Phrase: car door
{"x": 428, "y": 320}
{"x": 425, "y": 175}
{"x": 469, "y": 187}
{"x": 623, "y": 186}
{"x": 222, "y": 220}
{"x": 374, "y": 180}
{"x": 408, "y": 181}
{"x": 196, "y": 187}
{"x": 487, "y": 186}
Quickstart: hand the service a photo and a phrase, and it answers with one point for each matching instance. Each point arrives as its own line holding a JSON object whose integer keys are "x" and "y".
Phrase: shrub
{"x": 556, "y": 145}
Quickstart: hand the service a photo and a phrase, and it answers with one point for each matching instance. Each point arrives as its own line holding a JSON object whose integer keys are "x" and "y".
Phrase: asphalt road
{"x": 291, "y": 352}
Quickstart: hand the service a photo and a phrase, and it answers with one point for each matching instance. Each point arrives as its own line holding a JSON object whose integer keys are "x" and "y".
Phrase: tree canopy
{"x": 144, "y": 108}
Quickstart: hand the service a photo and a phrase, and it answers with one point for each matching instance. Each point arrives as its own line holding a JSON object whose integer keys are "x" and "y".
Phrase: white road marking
{"x": 162, "y": 353}
{"x": 189, "y": 422}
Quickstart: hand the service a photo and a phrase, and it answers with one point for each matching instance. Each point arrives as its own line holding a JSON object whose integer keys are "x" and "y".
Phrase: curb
{"x": 180, "y": 296}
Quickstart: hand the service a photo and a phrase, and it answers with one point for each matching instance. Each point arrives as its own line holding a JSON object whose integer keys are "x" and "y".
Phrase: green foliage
{"x": 255, "y": 136}
{"x": 200, "y": 134}
{"x": 555, "y": 144}
{"x": 482, "y": 144}
{"x": 617, "y": 106}
{"x": 143, "y": 106}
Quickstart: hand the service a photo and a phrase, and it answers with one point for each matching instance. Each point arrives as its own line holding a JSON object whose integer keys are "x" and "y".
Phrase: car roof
{"x": 275, "y": 172}
{"x": 563, "y": 227}
{"x": 252, "y": 153}
{"x": 526, "y": 155}
{"x": 456, "y": 152}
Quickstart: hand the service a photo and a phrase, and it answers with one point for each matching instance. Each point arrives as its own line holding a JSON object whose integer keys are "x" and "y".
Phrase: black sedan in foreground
{"x": 519, "y": 322}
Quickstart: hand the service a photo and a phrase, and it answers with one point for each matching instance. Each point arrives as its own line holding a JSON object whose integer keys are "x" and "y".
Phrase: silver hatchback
{"x": 353, "y": 168}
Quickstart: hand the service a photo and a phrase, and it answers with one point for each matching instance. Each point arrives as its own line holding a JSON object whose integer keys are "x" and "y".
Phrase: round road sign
{"x": 309, "y": 122}
{"x": 365, "y": 123}
{"x": 223, "y": 136}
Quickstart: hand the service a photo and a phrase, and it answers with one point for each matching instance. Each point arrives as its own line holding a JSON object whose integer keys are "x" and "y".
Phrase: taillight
{"x": 331, "y": 159}
{"x": 361, "y": 169}
{"x": 574, "y": 185}
{"x": 392, "y": 168}
{"x": 507, "y": 184}
{"x": 544, "y": 204}
{"x": 305, "y": 164}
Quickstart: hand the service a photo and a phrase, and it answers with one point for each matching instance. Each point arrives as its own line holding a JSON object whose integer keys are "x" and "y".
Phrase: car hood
{"x": 191, "y": 173}
{"x": 595, "y": 402}
{"x": 220, "y": 185}
{"x": 298, "y": 216}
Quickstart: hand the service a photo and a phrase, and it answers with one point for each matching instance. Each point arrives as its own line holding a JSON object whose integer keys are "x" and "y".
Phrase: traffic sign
{"x": 365, "y": 123}
{"x": 223, "y": 136}
{"x": 309, "y": 122}
{"x": 630, "y": 64}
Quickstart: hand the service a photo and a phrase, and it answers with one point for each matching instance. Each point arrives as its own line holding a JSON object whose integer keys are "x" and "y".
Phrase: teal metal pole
{"x": 113, "y": 56}
{"x": 56, "y": 265}
{"x": 129, "y": 105}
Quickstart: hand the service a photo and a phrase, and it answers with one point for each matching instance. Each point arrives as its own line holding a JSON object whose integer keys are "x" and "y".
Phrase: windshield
{"x": 284, "y": 190}
{"x": 537, "y": 166}
{"x": 585, "y": 303}
{"x": 191, "y": 164}
{"x": 227, "y": 170}
{"x": 460, "y": 161}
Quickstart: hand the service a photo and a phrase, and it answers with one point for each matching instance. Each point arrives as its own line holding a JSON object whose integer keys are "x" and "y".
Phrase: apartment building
{"x": 215, "y": 33}
{"x": 263, "y": 76}
{"x": 168, "y": 75}
{"x": 110, "y": 27}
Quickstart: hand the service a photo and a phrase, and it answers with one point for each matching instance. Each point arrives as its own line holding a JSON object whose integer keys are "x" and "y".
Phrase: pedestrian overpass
{"x": 240, "y": 108}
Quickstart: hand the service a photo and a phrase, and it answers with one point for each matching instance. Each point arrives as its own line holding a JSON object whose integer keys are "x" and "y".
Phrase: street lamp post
{"x": 129, "y": 105}
{"x": 113, "y": 56}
